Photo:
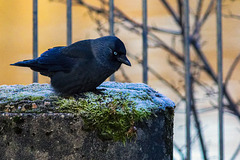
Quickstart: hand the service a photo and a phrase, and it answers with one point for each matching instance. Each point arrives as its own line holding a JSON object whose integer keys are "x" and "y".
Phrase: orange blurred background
{"x": 16, "y": 36}
{"x": 16, "y": 45}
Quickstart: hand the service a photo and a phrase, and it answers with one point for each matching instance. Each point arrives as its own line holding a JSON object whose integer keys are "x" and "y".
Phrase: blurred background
{"x": 165, "y": 56}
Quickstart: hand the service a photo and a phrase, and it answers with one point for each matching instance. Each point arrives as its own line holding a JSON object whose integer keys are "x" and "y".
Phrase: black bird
{"x": 81, "y": 66}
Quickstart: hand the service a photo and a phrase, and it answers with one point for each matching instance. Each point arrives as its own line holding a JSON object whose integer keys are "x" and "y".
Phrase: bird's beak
{"x": 123, "y": 59}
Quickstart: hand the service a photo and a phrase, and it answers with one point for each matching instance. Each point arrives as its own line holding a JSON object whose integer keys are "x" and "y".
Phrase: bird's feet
{"x": 98, "y": 91}
{"x": 79, "y": 95}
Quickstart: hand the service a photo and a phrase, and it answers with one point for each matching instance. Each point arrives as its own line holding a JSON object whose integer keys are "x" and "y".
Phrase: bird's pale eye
{"x": 115, "y": 53}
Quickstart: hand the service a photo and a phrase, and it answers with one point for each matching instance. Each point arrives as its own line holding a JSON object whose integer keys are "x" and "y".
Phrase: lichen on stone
{"x": 35, "y": 91}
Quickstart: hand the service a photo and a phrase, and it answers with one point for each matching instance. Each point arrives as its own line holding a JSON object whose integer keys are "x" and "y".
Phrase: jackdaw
{"x": 81, "y": 66}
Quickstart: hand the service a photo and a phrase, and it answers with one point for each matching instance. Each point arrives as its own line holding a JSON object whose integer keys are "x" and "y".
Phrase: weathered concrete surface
{"x": 50, "y": 135}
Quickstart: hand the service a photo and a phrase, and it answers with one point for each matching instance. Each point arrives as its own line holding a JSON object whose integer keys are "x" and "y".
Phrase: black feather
{"x": 81, "y": 66}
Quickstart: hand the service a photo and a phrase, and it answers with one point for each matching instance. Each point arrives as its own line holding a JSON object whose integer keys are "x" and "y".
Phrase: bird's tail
{"x": 34, "y": 65}
{"x": 25, "y": 63}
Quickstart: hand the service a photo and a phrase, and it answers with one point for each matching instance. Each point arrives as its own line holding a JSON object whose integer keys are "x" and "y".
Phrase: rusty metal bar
{"x": 220, "y": 79}
{"x": 187, "y": 77}
{"x": 145, "y": 41}
{"x": 69, "y": 22}
{"x": 35, "y": 36}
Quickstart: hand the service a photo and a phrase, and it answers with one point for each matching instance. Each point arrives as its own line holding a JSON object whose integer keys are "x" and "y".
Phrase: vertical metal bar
{"x": 69, "y": 22}
{"x": 111, "y": 26}
{"x": 35, "y": 36}
{"x": 187, "y": 77}
{"x": 111, "y": 17}
{"x": 220, "y": 74}
{"x": 145, "y": 41}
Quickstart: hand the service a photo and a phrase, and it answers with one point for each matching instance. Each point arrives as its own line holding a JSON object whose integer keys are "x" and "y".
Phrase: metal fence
{"x": 145, "y": 59}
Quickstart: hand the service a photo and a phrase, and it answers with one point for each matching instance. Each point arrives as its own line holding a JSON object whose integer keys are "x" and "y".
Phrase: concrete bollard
{"x": 124, "y": 121}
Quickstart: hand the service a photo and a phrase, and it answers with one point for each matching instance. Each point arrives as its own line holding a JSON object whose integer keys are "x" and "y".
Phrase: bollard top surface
{"x": 141, "y": 94}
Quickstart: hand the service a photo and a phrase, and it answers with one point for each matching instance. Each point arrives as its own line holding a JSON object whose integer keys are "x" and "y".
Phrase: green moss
{"x": 34, "y": 98}
{"x": 112, "y": 117}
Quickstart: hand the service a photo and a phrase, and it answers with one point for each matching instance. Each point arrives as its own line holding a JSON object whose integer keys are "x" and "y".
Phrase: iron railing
{"x": 220, "y": 75}
{"x": 111, "y": 26}
{"x": 69, "y": 22}
{"x": 144, "y": 40}
{"x": 187, "y": 77}
{"x": 187, "y": 41}
{"x": 35, "y": 36}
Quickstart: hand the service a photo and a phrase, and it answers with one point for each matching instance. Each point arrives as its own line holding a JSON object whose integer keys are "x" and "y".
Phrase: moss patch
{"x": 113, "y": 117}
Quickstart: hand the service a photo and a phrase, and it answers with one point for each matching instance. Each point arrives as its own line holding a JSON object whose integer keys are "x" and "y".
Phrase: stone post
{"x": 123, "y": 121}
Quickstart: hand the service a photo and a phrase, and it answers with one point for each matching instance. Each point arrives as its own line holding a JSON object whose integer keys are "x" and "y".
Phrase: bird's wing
{"x": 60, "y": 59}
{"x": 81, "y": 50}
{"x": 53, "y": 60}
{"x": 49, "y": 62}
{"x": 65, "y": 58}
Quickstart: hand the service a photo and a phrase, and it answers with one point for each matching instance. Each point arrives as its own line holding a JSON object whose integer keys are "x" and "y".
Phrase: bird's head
{"x": 110, "y": 51}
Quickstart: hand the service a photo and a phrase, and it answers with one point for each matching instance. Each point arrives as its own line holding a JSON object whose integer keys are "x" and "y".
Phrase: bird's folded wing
{"x": 65, "y": 58}
{"x": 80, "y": 50}
{"x": 53, "y": 60}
